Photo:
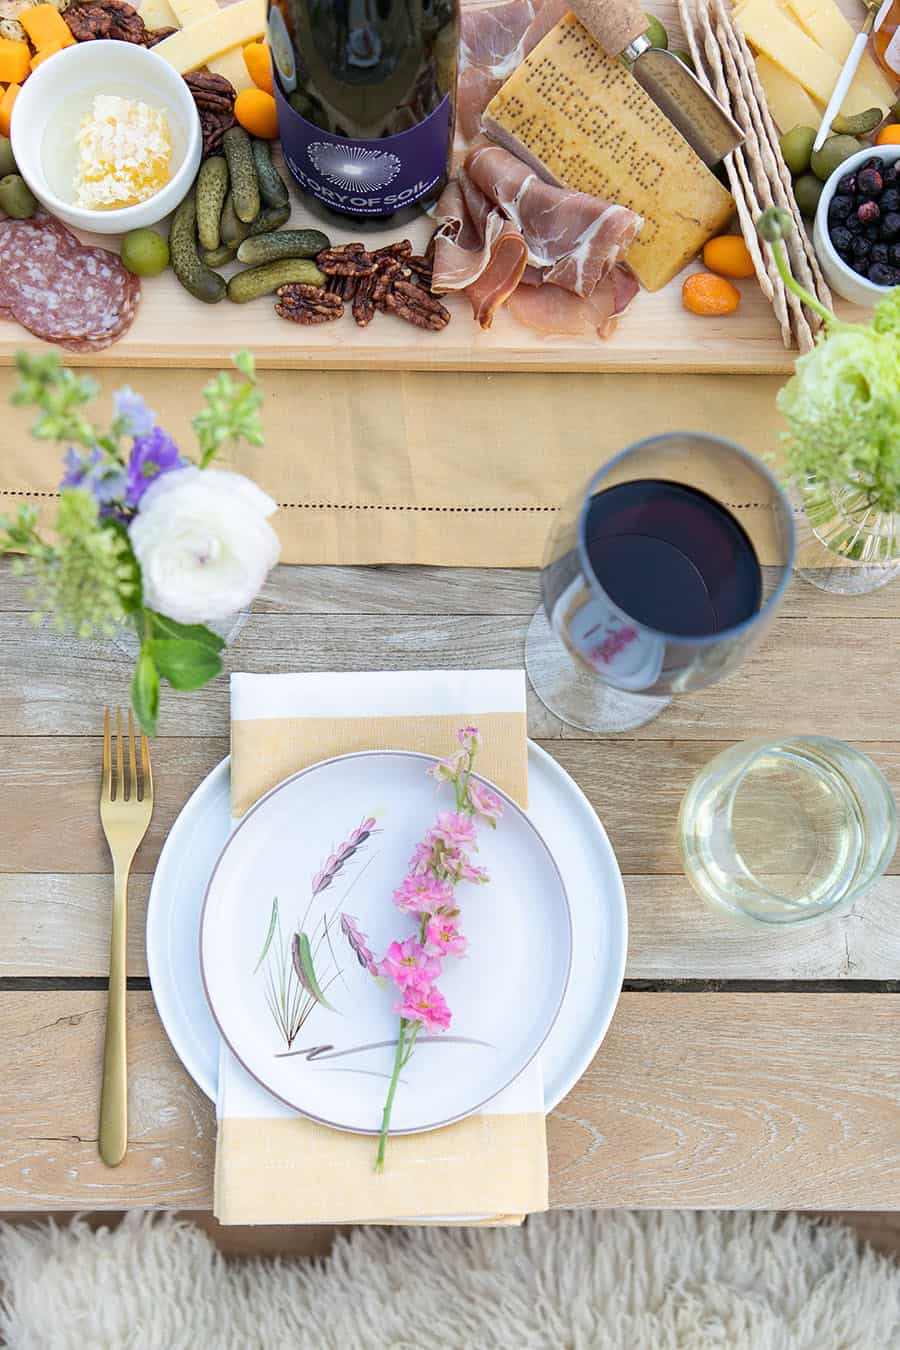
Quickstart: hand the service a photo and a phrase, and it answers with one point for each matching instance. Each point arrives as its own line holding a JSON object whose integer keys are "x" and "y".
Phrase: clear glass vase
{"x": 228, "y": 629}
{"x": 844, "y": 543}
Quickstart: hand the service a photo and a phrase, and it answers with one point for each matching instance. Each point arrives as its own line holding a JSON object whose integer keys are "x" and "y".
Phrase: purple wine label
{"x": 365, "y": 178}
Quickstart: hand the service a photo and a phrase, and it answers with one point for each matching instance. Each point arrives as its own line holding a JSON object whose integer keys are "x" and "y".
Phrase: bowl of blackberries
{"x": 857, "y": 226}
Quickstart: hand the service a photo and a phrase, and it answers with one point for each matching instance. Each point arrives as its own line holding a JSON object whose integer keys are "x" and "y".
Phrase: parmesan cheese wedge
{"x": 582, "y": 120}
{"x": 209, "y": 37}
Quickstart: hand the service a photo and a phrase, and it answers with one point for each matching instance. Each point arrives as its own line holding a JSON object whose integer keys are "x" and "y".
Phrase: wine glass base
{"x": 577, "y": 698}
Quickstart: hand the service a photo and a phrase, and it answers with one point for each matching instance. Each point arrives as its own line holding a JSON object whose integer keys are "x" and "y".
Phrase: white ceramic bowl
{"x": 839, "y": 275}
{"x": 115, "y": 68}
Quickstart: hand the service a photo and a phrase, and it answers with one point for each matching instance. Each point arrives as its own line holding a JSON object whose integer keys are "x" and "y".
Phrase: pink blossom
{"x": 425, "y": 1004}
{"x": 422, "y": 894}
{"x": 422, "y": 858}
{"x": 459, "y": 867}
{"x": 408, "y": 963}
{"x": 443, "y": 938}
{"x": 469, "y": 738}
{"x": 485, "y": 802}
{"x": 447, "y": 770}
{"x": 454, "y": 829}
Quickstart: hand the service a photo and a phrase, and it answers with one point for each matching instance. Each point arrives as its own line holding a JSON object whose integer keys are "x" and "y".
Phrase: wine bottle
{"x": 366, "y": 91}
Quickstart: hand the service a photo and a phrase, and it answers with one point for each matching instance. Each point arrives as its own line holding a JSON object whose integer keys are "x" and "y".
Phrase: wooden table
{"x": 745, "y": 1067}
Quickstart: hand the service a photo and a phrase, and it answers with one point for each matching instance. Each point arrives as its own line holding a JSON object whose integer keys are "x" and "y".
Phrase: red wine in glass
{"x": 672, "y": 558}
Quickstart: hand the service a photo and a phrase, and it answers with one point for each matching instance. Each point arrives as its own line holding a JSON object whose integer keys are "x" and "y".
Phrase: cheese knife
{"x": 874, "y": 19}
{"x": 620, "y": 27}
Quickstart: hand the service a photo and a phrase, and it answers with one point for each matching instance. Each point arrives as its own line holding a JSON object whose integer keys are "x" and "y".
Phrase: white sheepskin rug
{"x": 567, "y": 1281}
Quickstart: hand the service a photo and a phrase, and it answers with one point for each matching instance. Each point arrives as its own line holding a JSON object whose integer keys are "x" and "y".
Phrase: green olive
{"x": 807, "y": 191}
{"x": 796, "y": 147}
{"x": 144, "y": 252}
{"x": 684, "y": 57}
{"x": 835, "y": 150}
{"x": 7, "y": 163}
{"x": 655, "y": 33}
{"x": 16, "y": 197}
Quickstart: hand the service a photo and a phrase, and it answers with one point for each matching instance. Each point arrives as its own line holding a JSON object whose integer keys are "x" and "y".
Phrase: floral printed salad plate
{"x": 315, "y": 936}
{"x": 567, "y": 823}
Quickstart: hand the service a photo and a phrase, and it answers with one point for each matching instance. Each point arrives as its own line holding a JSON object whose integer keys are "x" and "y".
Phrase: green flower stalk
{"x": 842, "y": 405}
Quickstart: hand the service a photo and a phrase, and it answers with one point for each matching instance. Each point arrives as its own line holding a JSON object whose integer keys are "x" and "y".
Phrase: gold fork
{"x": 126, "y": 805}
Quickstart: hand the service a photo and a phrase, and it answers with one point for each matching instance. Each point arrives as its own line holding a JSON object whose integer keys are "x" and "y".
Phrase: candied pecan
{"x": 421, "y": 269}
{"x": 213, "y": 126}
{"x": 349, "y": 260}
{"x": 204, "y": 81}
{"x": 153, "y": 36}
{"x": 388, "y": 272}
{"x": 308, "y": 304}
{"x": 345, "y": 287}
{"x": 106, "y": 19}
{"x": 363, "y": 303}
{"x": 416, "y": 306}
{"x": 401, "y": 248}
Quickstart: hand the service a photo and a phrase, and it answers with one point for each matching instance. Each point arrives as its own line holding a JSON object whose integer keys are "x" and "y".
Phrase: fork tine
{"x": 132, "y": 762}
{"x": 106, "y": 783}
{"x": 120, "y": 759}
{"x": 146, "y": 770}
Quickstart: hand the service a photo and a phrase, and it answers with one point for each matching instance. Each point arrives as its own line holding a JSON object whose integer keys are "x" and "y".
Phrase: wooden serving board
{"x": 657, "y": 334}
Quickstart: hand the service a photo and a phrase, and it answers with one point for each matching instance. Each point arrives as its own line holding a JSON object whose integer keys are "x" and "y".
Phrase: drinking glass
{"x": 651, "y": 584}
{"x": 784, "y": 830}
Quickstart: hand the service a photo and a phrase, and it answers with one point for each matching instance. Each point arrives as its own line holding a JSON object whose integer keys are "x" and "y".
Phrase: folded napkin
{"x": 273, "y": 1166}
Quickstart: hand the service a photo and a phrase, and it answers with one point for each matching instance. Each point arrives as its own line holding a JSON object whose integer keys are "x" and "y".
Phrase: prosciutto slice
{"x": 501, "y": 225}
{"x": 494, "y": 40}
{"x": 551, "y": 310}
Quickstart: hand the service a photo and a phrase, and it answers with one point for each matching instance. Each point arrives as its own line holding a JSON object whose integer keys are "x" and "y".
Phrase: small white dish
{"x": 332, "y": 1061}
{"x": 839, "y": 275}
{"x": 67, "y": 80}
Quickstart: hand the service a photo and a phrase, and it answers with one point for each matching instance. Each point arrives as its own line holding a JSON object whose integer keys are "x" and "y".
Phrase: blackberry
{"x": 878, "y": 253}
{"x": 839, "y": 209}
{"x": 869, "y": 181}
{"x": 860, "y": 248}
{"x": 889, "y": 200}
{"x": 872, "y": 231}
{"x": 868, "y": 212}
{"x": 846, "y": 185}
{"x": 876, "y": 163}
{"x": 860, "y": 266}
{"x": 890, "y": 225}
{"x": 894, "y": 255}
{"x": 883, "y": 276}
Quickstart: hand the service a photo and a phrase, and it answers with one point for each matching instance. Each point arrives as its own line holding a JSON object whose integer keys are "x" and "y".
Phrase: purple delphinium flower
{"x": 151, "y": 455}
{"x": 132, "y": 412}
{"x": 98, "y": 475}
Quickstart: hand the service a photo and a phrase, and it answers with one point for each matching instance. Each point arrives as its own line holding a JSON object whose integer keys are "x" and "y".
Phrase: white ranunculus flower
{"x": 204, "y": 543}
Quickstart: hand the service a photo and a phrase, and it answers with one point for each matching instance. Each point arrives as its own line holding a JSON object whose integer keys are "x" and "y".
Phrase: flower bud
{"x": 775, "y": 223}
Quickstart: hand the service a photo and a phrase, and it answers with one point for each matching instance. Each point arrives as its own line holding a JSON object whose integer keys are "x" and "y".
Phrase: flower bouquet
{"x": 145, "y": 535}
{"x": 842, "y": 443}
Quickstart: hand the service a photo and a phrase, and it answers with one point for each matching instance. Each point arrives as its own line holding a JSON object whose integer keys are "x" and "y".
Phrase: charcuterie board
{"x": 657, "y": 333}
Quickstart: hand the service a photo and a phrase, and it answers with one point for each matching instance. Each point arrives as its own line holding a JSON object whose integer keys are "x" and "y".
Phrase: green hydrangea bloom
{"x": 85, "y": 582}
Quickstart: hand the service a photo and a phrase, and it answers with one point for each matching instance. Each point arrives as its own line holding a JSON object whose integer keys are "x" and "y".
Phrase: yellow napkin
{"x": 273, "y": 1166}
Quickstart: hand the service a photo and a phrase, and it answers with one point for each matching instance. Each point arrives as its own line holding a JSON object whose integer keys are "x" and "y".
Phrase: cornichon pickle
{"x": 218, "y": 257}
{"x": 212, "y": 189}
{"x": 257, "y": 281}
{"x": 282, "y": 244}
{"x": 272, "y": 187}
{"x": 796, "y": 147}
{"x": 272, "y": 218}
{"x": 244, "y": 182}
{"x": 857, "y": 124}
{"x": 16, "y": 197}
{"x": 231, "y": 230}
{"x": 836, "y": 149}
{"x": 188, "y": 266}
{"x": 7, "y": 161}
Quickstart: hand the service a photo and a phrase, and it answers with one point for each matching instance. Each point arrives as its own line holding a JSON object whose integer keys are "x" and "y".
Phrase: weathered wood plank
{"x": 834, "y": 677}
{"x": 457, "y": 590}
{"x": 695, "y": 1100}
{"x": 58, "y": 926}
{"x": 49, "y": 786}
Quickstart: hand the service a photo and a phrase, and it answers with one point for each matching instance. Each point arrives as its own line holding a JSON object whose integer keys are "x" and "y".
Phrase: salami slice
{"x": 61, "y": 290}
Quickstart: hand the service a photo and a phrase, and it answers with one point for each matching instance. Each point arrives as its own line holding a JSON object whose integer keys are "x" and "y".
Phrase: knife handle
{"x": 613, "y": 23}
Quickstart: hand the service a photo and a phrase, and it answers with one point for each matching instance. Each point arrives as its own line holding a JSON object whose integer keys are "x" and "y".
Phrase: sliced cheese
{"x": 158, "y": 14}
{"x": 209, "y": 37}
{"x": 189, "y": 11}
{"x": 234, "y": 68}
{"x": 824, "y": 22}
{"x": 581, "y": 119}
{"x": 789, "y": 103}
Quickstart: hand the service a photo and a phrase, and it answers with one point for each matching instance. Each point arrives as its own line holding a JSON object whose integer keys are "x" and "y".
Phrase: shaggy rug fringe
{"x": 581, "y": 1280}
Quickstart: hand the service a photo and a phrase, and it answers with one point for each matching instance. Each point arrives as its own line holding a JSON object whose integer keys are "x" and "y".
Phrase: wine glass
{"x": 652, "y": 583}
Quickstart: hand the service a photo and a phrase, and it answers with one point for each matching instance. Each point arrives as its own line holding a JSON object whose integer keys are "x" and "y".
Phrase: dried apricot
{"x": 889, "y": 135}
{"x": 259, "y": 65}
{"x": 256, "y": 112}
{"x": 703, "y": 293}
{"x": 728, "y": 255}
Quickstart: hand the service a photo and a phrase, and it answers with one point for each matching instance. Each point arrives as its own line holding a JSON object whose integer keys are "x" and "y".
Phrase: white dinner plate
{"x": 331, "y": 844}
{"x": 571, "y": 830}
